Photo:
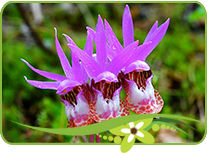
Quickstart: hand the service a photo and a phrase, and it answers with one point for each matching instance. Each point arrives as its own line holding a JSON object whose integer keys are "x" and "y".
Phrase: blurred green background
{"x": 177, "y": 62}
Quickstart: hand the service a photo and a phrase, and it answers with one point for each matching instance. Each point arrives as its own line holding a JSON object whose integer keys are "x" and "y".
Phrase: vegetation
{"x": 177, "y": 62}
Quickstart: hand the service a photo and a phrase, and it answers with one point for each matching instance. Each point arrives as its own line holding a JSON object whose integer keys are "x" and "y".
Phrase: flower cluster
{"x": 91, "y": 88}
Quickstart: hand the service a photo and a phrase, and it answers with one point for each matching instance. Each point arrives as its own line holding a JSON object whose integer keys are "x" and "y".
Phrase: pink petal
{"x": 110, "y": 52}
{"x": 63, "y": 59}
{"x": 143, "y": 100}
{"x": 105, "y": 109}
{"x": 48, "y": 75}
{"x": 112, "y": 39}
{"x": 70, "y": 41}
{"x": 78, "y": 72}
{"x": 107, "y": 76}
{"x": 92, "y": 32}
{"x": 42, "y": 84}
{"x": 100, "y": 40}
{"x": 66, "y": 85}
{"x": 137, "y": 65}
{"x": 91, "y": 66}
{"x": 127, "y": 27}
{"x": 156, "y": 37}
{"x": 122, "y": 58}
{"x": 79, "y": 114}
{"x": 89, "y": 44}
{"x": 152, "y": 30}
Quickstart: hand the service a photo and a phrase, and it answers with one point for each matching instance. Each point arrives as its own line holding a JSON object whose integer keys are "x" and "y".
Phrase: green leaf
{"x": 126, "y": 146}
{"x": 175, "y": 121}
{"x": 103, "y": 126}
{"x": 147, "y": 139}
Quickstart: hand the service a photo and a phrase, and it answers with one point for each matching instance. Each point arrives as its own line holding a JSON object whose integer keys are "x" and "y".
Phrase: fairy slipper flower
{"x": 141, "y": 97}
{"x": 72, "y": 88}
{"x": 103, "y": 74}
{"x": 136, "y": 76}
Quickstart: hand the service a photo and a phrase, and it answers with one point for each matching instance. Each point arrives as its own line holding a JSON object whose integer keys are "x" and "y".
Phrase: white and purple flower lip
{"x": 91, "y": 87}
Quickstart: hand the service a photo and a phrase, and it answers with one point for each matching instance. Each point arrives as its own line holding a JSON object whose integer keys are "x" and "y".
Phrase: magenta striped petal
{"x": 152, "y": 30}
{"x": 43, "y": 84}
{"x": 70, "y": 41}
{"x": 156, "y": 37}
{"x": 63, "y": 59}
{"x": 92, "y": 32}
{"x": 90, "y": 65}
{"x": 122, "y": 58}
{"x": 110, "y": 52}
{"x": 48, "y": 75}
{"x": 111, "y": 37}
{"x": 137, "y": 65}
{"x": 100, "y": 41}
{"x": 140, "y": 51}
{"x": 78, "y": 72}
{"x": 89, "y": 43}
{"x": 75, "y": 60}
{"x": 108, "y": 76}
{"x": 127, "y": 27}
{"x": 66, "y": 85}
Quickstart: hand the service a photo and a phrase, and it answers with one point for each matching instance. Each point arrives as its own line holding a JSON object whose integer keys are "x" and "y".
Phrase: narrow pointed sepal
{"x": 127, "y": 27}
{"x": 63, "y": 59}
{"x": 48, "y": 75}
{"x": 43, "y": 84}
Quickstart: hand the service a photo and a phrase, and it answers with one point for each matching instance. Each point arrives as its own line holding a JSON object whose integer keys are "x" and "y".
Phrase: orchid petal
{"x": 100, "y": 41}
{"x": 111, "y": 37}
{"x": 70, "y": 41}
{"x": 156, "y": 37}
{"x": 127, "y": 27}
{"x": 66, "y": 86}
{"x": 83, "y": 77}
{"x": 122, "y": 58}
{"x": 78, "y": 115}
{"x": 92, "y": 32}
{"x": 107, "y": 108}
{"x": 90, "y": 65}
{"x": 48, "y": 75}
{"x": 63, "y": 59}
{"x": 137, "y": 53}
{"x": 89, "y": 44}
{"x": 137, "y": 65}
{"x": 78, "y": 72}
{"x": 110, "y": 52}
{"x": 108, "y": 76}
{"x": 152, "y": 30}
{"x": 42, "y": 84}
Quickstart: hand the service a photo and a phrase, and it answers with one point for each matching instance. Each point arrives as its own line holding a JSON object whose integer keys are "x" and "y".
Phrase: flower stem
{"x": 98, "y": 139}
{"x": 91, "y": 138}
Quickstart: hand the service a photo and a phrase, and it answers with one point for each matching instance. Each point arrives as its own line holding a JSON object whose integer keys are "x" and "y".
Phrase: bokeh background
{"x": 177, "y": 62}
